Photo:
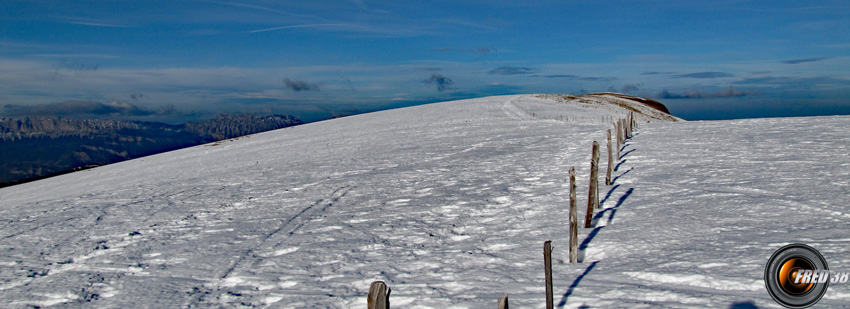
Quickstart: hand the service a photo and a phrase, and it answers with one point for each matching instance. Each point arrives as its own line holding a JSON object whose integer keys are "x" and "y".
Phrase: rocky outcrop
{"x": 53, "y": 126}
{"x": 225, "y": 126}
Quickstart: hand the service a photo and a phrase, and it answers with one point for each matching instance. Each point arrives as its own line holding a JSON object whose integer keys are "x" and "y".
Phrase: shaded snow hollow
{"x": 448, "y": 203}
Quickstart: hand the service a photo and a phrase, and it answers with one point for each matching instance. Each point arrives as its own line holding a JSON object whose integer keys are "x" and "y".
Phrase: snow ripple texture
{"x": 448, "y": 203}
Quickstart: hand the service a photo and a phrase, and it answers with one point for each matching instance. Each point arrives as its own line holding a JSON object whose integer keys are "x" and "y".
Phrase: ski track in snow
{"x": 448, "y": 203}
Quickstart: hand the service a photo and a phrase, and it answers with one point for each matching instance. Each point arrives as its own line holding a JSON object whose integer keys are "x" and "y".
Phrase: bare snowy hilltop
{"x": 448, "y": 203}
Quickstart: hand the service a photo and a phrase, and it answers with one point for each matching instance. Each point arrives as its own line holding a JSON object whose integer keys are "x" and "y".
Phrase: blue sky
{"x": 183, "y": 59}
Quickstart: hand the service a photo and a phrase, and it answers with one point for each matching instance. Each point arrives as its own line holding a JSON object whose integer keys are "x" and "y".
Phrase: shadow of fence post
{"x": 575, "y": 284}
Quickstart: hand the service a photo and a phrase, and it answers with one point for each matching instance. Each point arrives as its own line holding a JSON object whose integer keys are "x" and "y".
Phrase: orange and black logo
{"x": 797, "y": 276}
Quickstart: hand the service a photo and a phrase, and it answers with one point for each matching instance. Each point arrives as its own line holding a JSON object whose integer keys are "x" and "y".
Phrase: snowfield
{"x": 448, "y": 203}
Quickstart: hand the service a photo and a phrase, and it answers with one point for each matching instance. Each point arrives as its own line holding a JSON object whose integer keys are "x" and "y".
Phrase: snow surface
{"x": 448, "y": 203}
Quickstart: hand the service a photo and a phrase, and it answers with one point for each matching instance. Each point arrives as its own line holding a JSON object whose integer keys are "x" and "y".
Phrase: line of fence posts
{"x": 379, "y": 292}
{"x": 623, "y": 129}
{"x": 593, "y": 195}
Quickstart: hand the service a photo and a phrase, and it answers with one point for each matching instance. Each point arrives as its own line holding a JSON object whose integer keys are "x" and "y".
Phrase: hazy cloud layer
{"x": 570, "y": 76}
{"x": 483, "y": 50}
{"x": 704, "y": 75}
{"x": 587, "y": 78}
{"x": 74, "y": 108}
{"x": 509, "y": 70}
{"x": 501, "y": 89}
{"x": 793, "y": 81}
{"x": 803, "y": 60}
{"x": 697, "y": 94}
{"x": 442, "y": 82}
{"x": 299, "y": 85}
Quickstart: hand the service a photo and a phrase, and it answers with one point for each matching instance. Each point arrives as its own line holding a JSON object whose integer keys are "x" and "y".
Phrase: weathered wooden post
{"x": 634, "y": 121}
{"x": 625, "y": 130}
{"x": 547, "y": 265}
{"x": 503, "y": 302}
{"x": 610, "y": 161}
{"x": 573, "y": 218}
{"x": 620, "y": 130}
{"x": 379, "y": 296}
{"x": 595, "y": 173}
{"x": 617, "y": 152}
{"x": 593, "y": 196}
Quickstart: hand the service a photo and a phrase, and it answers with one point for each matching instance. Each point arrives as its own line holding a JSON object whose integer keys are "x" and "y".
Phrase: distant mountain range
{"x": 42, "y": 146}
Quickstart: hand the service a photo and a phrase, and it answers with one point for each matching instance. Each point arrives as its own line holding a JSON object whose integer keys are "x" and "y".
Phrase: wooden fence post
{"x": 573, "y": 218}
{"x": 379, "y": 296}
{"x": 610, "y": 161}
{"x": 625, "y": 130}
{"x": 634, "y": 121}
{"x": 620, "y": 130}
{"x": 619, "y": 140}
{"x": 595, "y": 174}
{"x": 503, "y": 302}
{"x": 593, "y": 196}
{"x": 547, "y": 263}
{"x": 617, "y": 152}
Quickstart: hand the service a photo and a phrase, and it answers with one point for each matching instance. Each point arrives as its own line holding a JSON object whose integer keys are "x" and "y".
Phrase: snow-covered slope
{"x": 448, "y": 203}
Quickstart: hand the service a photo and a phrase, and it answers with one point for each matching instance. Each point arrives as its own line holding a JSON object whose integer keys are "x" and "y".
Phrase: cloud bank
{"x": 509, "y": 70}
{"x": 442, "y": 82}
{"x": 76, "y": 108}
{"x": 803, "y": 60}
{"x": 300, "y": 85}
{"x": 704, "y": 75}
{"x": 697, "y": 94}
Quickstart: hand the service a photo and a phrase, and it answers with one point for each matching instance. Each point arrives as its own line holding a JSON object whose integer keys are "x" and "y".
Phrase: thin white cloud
{"x": 260, "y": 8}
{"x": 466, "y": 23}
{"x": 96, "y": 24}
{"x": 98, "y": 56}
{"x": 295, "y": 26}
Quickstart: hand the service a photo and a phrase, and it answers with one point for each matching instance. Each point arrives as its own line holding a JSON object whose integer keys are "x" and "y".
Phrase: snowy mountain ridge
{"x": 448, "y": 203}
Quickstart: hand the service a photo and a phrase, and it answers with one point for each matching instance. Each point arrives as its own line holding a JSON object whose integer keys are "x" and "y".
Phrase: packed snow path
{"x": 448, "y": 203}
